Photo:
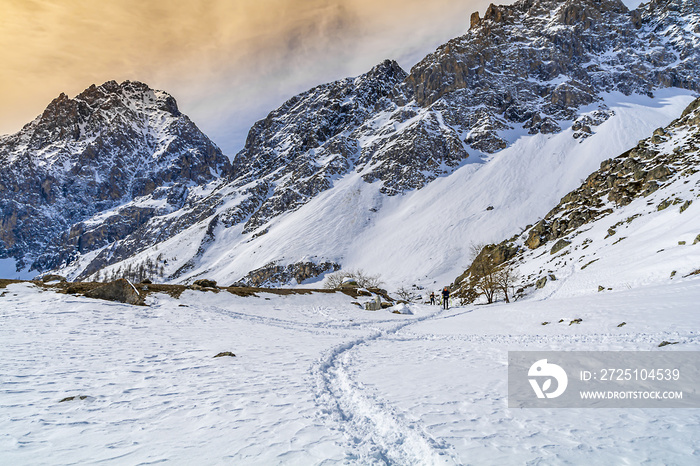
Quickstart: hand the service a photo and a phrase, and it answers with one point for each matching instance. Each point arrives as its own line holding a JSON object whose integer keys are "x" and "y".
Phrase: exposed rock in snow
{"x": 298, "y": 273}
{"x": 119, "y": 290}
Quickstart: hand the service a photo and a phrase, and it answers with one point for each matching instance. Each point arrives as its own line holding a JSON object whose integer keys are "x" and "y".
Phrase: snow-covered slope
{"x": 633, "y": 222}
{"x": 425, "y": 235}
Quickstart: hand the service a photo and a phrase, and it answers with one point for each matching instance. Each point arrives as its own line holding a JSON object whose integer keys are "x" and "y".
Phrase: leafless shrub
{"x": 490, "y": 278}
{"x": 407, "y": 294}
{"x": 506, "y": 277}
{"x": 362, "y": 278}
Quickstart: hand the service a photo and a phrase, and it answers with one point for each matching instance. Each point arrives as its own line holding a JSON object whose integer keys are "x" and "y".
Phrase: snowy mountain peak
{"x": 108, "y": 145}
{"x": 535, "y": 63}
{"x": 86, "y": 115}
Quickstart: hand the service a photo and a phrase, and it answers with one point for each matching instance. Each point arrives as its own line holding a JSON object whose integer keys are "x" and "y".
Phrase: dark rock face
{"x": 272, "y": 274}
{"x": 120, "y": 290}
{"x": 84, "y": 156}
{"x": 538, "y": 61}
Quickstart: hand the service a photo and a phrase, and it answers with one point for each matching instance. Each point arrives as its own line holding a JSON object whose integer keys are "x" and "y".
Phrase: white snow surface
{"x": 318, "y": 380}
{"x": 8, "y": 269}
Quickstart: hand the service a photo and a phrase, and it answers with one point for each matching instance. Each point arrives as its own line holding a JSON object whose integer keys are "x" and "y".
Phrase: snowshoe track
{"x": 376, "y": 432}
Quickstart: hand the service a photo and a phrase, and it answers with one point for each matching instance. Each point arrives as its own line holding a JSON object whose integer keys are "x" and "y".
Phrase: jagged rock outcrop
{"x": 87, "y": 155}
{"x": 411, "y": 158}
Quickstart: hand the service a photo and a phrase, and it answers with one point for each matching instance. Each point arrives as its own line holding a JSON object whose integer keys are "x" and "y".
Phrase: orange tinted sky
{"x": 227, "y": 62}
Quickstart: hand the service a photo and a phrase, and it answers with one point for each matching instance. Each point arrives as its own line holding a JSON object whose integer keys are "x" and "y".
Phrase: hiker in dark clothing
{"x": 445, "y": 298}
{"x": 432, "y": 298}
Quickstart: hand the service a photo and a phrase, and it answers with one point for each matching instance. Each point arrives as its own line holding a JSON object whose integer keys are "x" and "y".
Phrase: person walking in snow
{"x": 432, "y": 298}
{"x": 445, "y": 298}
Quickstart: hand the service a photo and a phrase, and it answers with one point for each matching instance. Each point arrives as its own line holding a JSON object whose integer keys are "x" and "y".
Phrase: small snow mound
{"x": 401, "y": 308}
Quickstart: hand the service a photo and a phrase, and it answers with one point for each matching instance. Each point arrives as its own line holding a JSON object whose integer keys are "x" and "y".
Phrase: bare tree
{"x": 362, "y": 278}
{"x": 506, "y": 276}
{"x": 475, "y": 250}
{"x": 489, "y": 273}
{"x": 367, "y": 281}
{"x": 483, "y": 272}
{"x": 406, "y": 294}
{"x": 335, "y": 279}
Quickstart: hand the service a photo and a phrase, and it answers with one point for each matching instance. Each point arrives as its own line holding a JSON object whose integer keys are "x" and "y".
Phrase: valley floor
{"x": 317, "y": 380}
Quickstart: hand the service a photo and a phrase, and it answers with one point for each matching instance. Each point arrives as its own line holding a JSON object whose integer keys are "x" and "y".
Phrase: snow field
{"x": 449, "y": 375}
{"x": 317, "y": 380}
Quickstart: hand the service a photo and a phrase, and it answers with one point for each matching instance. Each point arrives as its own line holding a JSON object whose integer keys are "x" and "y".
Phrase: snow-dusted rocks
{"x": 300, "y": 148}
{"x": 274, "y": 275}
{"x": 537, "y": 62}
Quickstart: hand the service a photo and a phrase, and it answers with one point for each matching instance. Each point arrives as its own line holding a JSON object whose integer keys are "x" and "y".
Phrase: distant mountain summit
{"x": 84, "y": 156}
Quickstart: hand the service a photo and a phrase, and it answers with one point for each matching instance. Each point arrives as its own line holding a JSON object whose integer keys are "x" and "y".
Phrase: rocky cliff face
{"x": 87, "y": 155}
{"x": 300, "y": 148}
{"x": 290, "y": 157}
{"x": 535, "y": 63}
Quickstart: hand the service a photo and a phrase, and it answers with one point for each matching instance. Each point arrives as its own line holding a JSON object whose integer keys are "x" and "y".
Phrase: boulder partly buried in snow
{"x": 349, "y": 283}
{"x": 205, "y": 283}
{"x": 119, "y": 290}
{"x": 53, "y": 278}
